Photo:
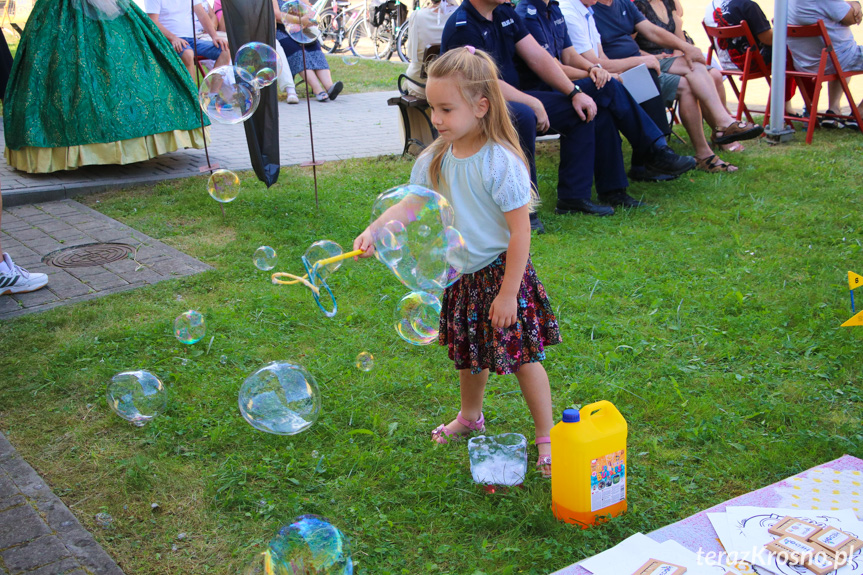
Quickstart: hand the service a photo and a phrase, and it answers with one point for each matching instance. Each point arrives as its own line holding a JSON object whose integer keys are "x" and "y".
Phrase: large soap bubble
{"x": 298, "y": 20}
{"x": 229, "y": 95}
{"x": 223, "y": 186}
{"x": 265, "y": 258}
{"x": 414, "y": 236}
{"x": 280, "y": 398}
{"x": 260, "y": 61}
{"x": 136, "y": 396}
{"x": 310, "y": 545}
{"x": 417, "y": 318}
{"x": 190, "y": 327}
{"x": 321, "y": 250}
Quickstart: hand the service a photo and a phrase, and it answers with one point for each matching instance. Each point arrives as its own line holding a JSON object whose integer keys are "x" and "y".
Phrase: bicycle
{"x": 379, "y": 35}
{"x": 334, "y": 23}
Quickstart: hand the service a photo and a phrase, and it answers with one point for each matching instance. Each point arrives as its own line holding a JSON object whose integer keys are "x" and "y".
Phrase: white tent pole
{"x": 776, "y": 130}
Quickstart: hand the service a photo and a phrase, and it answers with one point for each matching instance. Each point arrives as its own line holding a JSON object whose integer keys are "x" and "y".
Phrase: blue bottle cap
{"x": 571, "y": 416}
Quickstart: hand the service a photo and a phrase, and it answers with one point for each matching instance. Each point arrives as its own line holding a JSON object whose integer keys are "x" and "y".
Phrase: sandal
{"x": 335, "y": 90}
{"x": 292, "y": 97}
{"x": 714, "y": 164}
{"x": 543, "y": 462}
{"x": 736, "y": 132}
{"x": 441, "y": 433}
{"x": 322, "y": 96}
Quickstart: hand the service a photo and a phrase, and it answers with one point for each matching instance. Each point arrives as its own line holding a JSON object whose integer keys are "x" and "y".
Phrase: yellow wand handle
{"x": 335, "y": 259}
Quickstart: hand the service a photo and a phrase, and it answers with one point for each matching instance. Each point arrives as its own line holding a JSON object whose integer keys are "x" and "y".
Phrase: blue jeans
{"x": 206, "y": 49}
{"x": 577, "y": 143}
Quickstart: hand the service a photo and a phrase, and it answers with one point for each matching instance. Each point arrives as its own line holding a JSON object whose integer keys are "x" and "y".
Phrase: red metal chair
{"x": 751, "y": 65}
{"x": 810, "y": 83}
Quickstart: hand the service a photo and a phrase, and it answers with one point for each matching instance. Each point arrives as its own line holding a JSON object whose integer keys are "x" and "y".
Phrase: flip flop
{"x": 335, "y": 90}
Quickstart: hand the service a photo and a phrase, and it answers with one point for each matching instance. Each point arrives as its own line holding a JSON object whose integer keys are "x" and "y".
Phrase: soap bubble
{"x": 265, "y": 258}
{"x": 322, "y": 250}
{"x": 223, "y": 186}
{"x": 350, "y": 60}
{"x": 136, "y": 396}
{"x": 416, "y": 239}
{"x": 280, "y": 398}
{"x": 104, "y": 520}
{"x": 292, "y": 13}
{"x": 417, "y": 318}
{"x": 190, "y": 327}
{"x": 229, "y": 95}
{"x": 365, "y": 361}
{"x": 310, "y": 544}
{"x": 260, "y": 61}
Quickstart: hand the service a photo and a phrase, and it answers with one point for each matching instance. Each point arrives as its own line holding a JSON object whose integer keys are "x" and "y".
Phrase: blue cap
{"x": 571, "y": 416}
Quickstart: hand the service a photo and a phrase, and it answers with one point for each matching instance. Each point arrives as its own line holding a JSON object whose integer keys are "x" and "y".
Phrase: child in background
{"x": 497, "y": 316}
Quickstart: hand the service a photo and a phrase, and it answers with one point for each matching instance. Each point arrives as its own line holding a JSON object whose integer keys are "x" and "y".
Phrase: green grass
{"x": 711, "y": 321}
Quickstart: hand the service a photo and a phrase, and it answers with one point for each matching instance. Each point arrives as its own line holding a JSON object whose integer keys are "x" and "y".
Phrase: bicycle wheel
{"x": 328, "y": 24}
{"x": 402, "y": 42}
{"x": 360, "y": 39}
{"x": 384, "y": 40}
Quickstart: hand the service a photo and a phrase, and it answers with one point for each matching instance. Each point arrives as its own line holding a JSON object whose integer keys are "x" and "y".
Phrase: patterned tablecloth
{"x": 837, "y": 484}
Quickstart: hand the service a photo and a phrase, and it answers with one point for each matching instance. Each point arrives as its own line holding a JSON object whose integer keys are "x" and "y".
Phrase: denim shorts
{"x": 206, "y": 49}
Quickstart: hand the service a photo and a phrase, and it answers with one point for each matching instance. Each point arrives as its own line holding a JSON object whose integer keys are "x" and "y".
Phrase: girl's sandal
{"x": 714, "y": 164}
{"x": 443, "y": 435}
{"x": 322, "y": 96}
{"x": 543, "y": 462}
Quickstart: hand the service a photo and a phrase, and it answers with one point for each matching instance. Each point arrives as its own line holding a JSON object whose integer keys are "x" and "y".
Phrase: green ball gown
{"x": 96, "y": 82}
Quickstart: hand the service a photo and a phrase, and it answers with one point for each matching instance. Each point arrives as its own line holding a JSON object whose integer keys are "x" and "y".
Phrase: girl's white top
{"x": 480, "y": 188}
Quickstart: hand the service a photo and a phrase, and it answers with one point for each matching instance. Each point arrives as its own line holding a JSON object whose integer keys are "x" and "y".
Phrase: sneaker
{"x": 292, "y": 98}
{"x": 18, "y": 280}
{"x": 536, "y": 224}
{"x": 665, "y": 161}
{"x": 831, "y": 123}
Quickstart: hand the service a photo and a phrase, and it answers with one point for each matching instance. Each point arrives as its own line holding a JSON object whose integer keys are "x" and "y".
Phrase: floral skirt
{"x": 465, "y": 327}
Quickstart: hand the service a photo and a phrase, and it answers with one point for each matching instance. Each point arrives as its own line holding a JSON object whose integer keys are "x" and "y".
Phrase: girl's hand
{"x": 503, "y": 311}
{"x": 365, "y": 242}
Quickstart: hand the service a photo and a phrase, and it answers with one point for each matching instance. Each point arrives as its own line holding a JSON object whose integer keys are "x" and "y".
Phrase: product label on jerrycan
{"x": 607, "y": 480}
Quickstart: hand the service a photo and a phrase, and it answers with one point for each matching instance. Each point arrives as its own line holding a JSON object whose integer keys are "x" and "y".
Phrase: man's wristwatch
{"x": 575, "y": 91}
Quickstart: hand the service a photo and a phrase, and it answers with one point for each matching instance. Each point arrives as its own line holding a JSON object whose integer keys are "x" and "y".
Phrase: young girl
{"x": 496, "y": 317}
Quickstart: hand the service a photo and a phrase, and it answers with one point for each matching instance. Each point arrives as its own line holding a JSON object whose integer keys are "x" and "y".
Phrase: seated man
{"x": 546, "y": 24}
{"x": 493, "y": 26}
{"x": 838, "y": 17}
{"x": 426, "y": 29}
{"x": 686, "y": 77}
{"x": 174, "y": 19}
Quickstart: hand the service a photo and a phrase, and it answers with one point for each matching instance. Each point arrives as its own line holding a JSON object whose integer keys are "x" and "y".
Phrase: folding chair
{"x": 753, "y": 67}
{"x": 810, "y": 83}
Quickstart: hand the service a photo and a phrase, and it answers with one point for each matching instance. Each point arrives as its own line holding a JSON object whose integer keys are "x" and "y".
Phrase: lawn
{"x": 710, "y": 320}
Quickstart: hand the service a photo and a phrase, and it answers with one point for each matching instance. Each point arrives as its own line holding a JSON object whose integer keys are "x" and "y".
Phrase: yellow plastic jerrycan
{"x": 588, "y": 480}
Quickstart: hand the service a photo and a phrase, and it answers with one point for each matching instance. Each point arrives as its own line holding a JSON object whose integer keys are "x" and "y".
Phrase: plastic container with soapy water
{"x": 588, "y": 447}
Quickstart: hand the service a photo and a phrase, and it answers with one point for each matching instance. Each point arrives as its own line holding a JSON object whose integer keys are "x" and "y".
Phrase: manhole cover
{"x": 88, "y": 255}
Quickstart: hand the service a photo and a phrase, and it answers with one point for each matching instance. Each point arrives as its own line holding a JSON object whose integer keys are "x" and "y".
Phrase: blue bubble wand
{"x": 317, "y": 282}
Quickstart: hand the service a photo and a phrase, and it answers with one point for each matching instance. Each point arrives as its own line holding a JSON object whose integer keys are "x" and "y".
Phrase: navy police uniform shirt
{"x": 546, "y": 24}
{"x": 497, "y": 37}
{"x": 616, "y": 25}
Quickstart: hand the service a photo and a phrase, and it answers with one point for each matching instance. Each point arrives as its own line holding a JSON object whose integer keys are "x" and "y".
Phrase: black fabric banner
{"x": 254, "y": 21}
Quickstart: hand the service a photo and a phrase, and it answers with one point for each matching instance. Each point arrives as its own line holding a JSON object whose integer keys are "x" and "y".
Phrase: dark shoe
{"x": 620, "y": 199}
{"x": 536, "y": 224}
{"x": 642, "y": 174}
{"x": 335, "y": 90}
{"x": 831, "y": 123}
{"x": 583, "y": 206}
{"x": 665, "y": 161}
{"x": 736, "y": 132}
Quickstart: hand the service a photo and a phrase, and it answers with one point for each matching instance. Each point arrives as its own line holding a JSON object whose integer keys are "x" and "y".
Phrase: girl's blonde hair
{"x": 476, "y": 75}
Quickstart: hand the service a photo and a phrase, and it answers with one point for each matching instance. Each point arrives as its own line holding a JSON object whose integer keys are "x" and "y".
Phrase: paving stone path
{"x": 354, "y": 126}
{"x": 38, "y": 533}
{"x": 31, "y": 232}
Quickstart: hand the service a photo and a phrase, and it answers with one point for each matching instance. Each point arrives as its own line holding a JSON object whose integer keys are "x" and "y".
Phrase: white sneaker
{"x": 18, "y": 280}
